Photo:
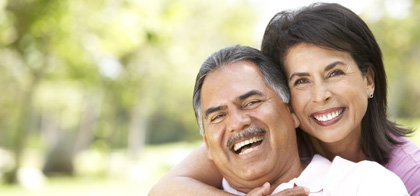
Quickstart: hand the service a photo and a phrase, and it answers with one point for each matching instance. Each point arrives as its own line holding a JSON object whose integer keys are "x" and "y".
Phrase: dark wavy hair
{"x": 332, "y": 26}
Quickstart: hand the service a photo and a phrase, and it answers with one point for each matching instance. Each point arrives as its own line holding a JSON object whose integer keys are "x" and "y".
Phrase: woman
{"x": 334, "y": 66}
{"x": 338, "y": 91}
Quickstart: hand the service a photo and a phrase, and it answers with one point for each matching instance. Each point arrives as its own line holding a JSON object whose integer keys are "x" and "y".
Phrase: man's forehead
{"x": 232, "y": 81}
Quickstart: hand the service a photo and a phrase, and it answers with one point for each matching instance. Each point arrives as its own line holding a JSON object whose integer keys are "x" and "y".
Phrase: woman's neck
{"x": 350, "y": 149}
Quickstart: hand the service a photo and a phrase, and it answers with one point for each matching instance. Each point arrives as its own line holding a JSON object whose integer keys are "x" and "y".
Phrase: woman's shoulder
{"x": 407, "y": 152}
{"x": 405, "y": 162}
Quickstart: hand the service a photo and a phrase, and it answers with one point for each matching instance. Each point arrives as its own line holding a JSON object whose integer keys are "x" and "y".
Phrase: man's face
{"x": 249, "y": 131}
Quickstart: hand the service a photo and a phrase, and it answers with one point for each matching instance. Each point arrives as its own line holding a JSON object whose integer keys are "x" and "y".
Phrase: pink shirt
{"x": 405, "y": 162}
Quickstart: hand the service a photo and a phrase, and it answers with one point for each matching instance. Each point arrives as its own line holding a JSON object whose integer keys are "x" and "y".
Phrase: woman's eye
{"x": 336, "y": 73}
{"x": 300, "y": 81}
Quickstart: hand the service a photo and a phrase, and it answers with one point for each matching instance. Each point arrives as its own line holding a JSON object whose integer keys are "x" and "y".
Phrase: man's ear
{"x": 296, "y": 121}
{"x": 370, "y": 81}
{"x": 208, "y": 148}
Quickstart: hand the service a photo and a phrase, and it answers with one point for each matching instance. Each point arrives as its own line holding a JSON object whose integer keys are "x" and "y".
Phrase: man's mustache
{"x": 244, "y": 134}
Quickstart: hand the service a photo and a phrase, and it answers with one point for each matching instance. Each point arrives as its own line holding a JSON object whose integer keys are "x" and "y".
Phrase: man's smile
{"x": 246, "y": 140}
{"x": 248, "y": 145}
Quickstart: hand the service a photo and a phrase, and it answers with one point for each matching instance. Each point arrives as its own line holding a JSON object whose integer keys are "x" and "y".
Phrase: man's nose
{"x": 238, "y": 120}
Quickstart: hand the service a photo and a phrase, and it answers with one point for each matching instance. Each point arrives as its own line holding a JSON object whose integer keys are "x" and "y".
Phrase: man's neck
{"x": 292, "y": 170}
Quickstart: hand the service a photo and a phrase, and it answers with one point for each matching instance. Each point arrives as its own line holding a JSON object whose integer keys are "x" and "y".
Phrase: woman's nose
{"x": 321, "y": 93}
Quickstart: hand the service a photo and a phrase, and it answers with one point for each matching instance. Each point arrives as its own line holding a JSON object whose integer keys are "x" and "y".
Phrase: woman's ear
{"x": 296, "y": 121}
{"x": 370, "y": 81}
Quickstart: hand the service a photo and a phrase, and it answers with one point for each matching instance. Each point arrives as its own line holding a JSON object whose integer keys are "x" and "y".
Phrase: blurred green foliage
{"x": 395, "y": 26}
{"x": 105, "y": 74}
{"x": 88, "y": 78}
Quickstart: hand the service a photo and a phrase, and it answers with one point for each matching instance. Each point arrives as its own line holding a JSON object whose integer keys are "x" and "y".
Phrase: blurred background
{"x": 96, "y": 96}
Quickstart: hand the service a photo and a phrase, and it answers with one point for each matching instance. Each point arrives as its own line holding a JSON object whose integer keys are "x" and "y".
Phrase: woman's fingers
{"x": 264, "y": 190}
{"x": 296, "y": 191}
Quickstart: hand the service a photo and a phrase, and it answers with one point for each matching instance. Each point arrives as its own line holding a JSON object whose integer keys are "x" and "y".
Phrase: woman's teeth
{"x": 329, "y": 116}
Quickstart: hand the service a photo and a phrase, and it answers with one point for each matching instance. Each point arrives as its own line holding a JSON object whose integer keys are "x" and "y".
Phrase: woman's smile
{"x": 328, "y": 117}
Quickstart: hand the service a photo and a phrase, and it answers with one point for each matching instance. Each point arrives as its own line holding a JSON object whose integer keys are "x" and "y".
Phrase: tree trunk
{"x": 88, "y": 123}
{"x": 137, "y": 131}
{"x": 23, "y": 123}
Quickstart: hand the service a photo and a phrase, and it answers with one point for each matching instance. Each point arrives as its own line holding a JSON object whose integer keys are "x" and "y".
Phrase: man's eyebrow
{"x": 240, "y": 98}
{"x": 327, "y": 68}
{"x": 249, "y": 94}
{"x": 213, "y": 109}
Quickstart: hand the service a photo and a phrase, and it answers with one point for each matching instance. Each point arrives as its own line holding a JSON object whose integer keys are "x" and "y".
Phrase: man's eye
{"x": 252, "y": 102}
{"x": 336, "y": 73}
{"x": 216, "y": 118}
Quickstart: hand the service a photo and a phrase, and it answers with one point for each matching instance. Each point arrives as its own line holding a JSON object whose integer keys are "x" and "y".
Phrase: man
{"x": 240, "y": 101}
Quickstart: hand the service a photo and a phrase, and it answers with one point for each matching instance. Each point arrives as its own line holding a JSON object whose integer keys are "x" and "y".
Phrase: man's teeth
{"x": 246, "y": 142}
{"x": 246, "y": 151}
{"x": 329, "y": 116}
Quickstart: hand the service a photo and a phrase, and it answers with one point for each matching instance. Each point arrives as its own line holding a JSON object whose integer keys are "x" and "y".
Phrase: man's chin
{"x": 252, "y": 172}
{"x": 246, "y": 183}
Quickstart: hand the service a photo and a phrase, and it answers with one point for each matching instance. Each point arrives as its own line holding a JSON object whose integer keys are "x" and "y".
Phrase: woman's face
{"x": 329, "y": 94}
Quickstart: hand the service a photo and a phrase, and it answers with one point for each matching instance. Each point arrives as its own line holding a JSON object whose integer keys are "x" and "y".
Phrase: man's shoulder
{"x": 342, "y": 168}
{"x": 363, "y": 178}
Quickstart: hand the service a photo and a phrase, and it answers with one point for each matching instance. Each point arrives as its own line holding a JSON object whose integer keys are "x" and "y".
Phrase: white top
{"x": 342, "y": 177}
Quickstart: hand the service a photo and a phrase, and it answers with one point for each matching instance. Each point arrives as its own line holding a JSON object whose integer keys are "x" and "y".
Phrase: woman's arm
{"x": 195, "y": 175}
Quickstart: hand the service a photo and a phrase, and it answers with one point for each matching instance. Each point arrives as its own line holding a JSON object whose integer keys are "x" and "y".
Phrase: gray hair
{"x": 272, "y": 74}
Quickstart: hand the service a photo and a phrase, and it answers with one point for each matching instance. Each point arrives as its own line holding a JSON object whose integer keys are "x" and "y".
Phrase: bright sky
{"x": 270, "y": 7}
{"x": 395, "y": 8}
{"x": 274, "y": 6}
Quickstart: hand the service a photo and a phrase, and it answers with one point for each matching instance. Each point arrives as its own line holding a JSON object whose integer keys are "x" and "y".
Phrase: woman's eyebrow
{"x": 300, "y": 74}
{"x": 333, "y": 64}
{"x": 327, "y": 68}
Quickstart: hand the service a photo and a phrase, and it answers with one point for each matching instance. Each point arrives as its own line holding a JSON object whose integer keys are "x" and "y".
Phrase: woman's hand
{"x": 260, "y": 191}
{"x": 264, "y": 190}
